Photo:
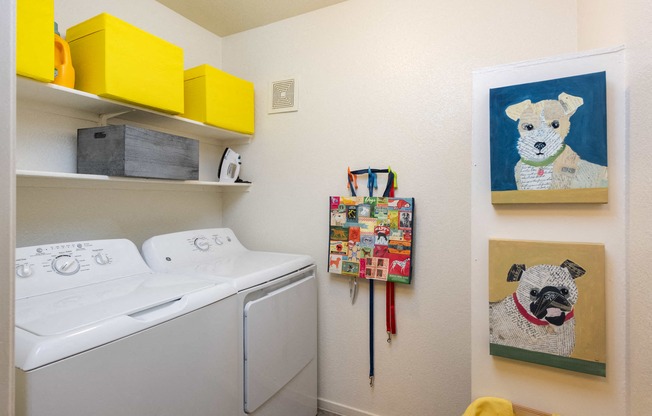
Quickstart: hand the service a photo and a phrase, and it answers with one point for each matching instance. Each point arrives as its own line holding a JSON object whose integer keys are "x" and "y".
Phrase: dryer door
{"x": 280, "y": 332}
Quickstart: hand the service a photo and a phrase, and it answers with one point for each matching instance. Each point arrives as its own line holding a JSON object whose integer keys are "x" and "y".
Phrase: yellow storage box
{"x": 35, "y": 39}
{"x": 215, "y": 97}
{"x": 114, "y": 59}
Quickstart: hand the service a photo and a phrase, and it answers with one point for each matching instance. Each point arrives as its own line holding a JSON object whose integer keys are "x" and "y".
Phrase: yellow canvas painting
{"x": 547, "y": 303}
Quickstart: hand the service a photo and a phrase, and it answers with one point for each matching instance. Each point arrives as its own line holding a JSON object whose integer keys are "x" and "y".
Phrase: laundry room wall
{"x": 600, "y": 23}
{"x": 46, "y": 141}
{"x": 638, "y": 35}
{"x": 382, "y": 83}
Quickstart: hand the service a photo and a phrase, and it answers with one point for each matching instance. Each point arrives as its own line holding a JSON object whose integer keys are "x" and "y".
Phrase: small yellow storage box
{"x": 35, "y": 39}
{"x": 215, "y": 97}
{"x": 114, "y": 59}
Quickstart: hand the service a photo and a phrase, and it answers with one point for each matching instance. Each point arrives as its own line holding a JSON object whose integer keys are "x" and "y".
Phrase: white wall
{"x": 600, "y": 23}
{"x": 382, "y": 83}
{"x": 639, "y": 61}
{"x": 46, "y": 141}
{"x": 607, "y": 22}
{"x": 7, "y": 205}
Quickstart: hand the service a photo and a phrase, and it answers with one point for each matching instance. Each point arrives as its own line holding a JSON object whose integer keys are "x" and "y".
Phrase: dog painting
{"x": 539, "y": 315}
{"x": 549, "y": 308}
{"x": 550, "y": 137}
{"x": 547, "y": 162}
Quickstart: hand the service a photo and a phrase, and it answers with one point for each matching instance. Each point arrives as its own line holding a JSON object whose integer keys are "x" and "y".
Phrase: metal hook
{"x": 389, "y": 337}
{"x": 371, "y": 381}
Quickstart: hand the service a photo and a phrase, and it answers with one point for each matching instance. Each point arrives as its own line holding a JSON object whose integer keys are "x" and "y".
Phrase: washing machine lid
{"x": 248, "y": 269}
{"x": 60, "y": 324}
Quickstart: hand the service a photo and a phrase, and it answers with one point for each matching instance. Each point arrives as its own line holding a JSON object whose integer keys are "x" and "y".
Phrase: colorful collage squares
{"x": 371, "y": 237}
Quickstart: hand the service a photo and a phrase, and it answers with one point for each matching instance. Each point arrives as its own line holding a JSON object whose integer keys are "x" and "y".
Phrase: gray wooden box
{"x": 123, "y": 150}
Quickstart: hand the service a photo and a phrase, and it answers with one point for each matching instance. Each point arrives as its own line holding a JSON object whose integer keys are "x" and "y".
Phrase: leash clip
{"x": 353, "y": 289}
{"x": 395, "y": 181}
{"x": 352, "y": 180}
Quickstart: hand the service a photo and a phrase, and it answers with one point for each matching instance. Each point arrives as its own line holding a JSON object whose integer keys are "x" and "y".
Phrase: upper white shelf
{"x": 57, "y": 97}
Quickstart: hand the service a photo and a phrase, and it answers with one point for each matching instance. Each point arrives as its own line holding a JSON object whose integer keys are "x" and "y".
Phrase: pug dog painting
{"x": 550, "y": 136}
{"x": 546, "y": 303}
{"x": 539, "y": 314}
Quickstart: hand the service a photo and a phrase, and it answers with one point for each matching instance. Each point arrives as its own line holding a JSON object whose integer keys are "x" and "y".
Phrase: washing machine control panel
{"x": 168, "y": 252}
{"x": 52, "y": 267}
{"x": 211, "y": 240}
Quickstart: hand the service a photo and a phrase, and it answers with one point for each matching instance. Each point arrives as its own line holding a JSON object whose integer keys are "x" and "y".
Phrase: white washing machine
{"x": 277, "y": 314}
{"x": 99, "y": 333}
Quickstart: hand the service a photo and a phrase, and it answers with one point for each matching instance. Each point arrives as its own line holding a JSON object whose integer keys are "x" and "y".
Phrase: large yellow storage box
{"x": 117, "y": 60}
{"x": 219, "y": 99}
{"x": 35, "y": 39}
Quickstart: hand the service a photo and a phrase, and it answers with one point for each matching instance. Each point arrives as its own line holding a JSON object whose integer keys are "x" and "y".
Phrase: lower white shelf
{"x": 40, "y": 179}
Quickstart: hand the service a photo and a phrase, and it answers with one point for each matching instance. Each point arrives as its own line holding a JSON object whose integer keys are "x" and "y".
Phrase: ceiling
{"x": 226, "y": 17}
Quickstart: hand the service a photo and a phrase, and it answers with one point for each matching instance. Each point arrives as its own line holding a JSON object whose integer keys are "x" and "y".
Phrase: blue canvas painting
{"x": 548, "y": 141}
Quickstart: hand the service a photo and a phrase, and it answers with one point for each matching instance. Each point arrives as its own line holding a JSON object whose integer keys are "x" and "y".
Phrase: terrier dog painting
{"x": 550, "y": 136}
{"x": 547, "y": 162}
{"x": 548, "y": 309}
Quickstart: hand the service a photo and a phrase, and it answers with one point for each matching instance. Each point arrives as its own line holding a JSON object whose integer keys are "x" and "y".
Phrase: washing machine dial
{"x": 65, "y": 264}
{"x": 218, "y": 240}
{"x": 202, "y": 243}
{"x": 102, "y": 259}
{"x": 24, "y": 270}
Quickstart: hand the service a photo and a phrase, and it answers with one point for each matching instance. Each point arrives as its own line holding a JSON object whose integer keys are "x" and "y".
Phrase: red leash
{"x": 390, "y": 307}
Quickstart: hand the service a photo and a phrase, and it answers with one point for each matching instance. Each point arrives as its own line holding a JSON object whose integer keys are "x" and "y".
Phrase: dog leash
{"x": 390, "y": 310}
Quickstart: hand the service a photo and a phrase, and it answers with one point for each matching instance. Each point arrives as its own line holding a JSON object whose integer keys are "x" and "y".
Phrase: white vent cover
{"x": 283, "y": 96}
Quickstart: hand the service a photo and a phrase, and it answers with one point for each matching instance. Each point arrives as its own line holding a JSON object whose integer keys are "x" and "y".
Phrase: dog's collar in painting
{"x": 547, "y": 160}
{"x": 533, "y": 319}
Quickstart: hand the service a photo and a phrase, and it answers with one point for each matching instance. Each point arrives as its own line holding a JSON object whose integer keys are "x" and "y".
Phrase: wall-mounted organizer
{"x": 60, "y": 100}
{"x": 372, "y": 238}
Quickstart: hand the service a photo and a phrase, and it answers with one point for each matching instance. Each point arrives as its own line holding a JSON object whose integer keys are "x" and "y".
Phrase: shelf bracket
{"x": 106, "y": 116}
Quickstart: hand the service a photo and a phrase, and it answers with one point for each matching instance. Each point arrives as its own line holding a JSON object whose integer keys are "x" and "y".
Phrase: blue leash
{"x": 372, "y": 183}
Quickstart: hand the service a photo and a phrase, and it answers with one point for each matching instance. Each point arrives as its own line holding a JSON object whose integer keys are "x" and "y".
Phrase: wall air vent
{"x": 283, "y": 96}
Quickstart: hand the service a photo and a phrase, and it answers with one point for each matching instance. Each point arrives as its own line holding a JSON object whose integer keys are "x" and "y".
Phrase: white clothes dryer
{"x": 277, "y": 314}
{"x": 99, "y": 333}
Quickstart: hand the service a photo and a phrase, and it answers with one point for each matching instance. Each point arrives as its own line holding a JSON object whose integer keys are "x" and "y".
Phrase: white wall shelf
{"x": 29, "y": 178}
{"x": 70, "y": 102}
{"x": 63, "y": 100}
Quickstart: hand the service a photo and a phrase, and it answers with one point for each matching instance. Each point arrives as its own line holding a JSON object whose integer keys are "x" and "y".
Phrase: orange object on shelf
{"x": 64, "y": 73}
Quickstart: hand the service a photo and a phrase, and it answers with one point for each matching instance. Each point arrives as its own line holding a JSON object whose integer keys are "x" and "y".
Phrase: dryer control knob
{"x": 65, "y": 264}
{"x": 102, "y": 259}
{"x": 218, "y": 240}
{"x": 202, "y": 243}
{"x": 24, "y": 270}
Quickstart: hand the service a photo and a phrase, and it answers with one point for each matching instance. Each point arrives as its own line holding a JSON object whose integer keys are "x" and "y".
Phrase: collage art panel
{"x": 371, "y": 237}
